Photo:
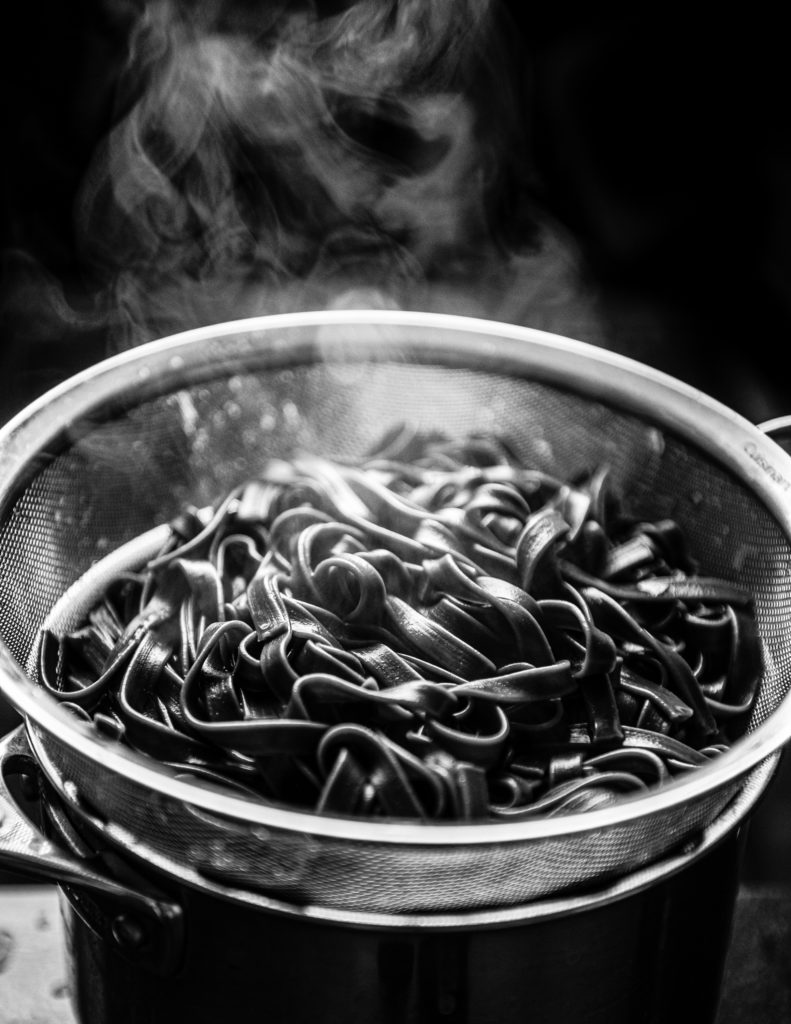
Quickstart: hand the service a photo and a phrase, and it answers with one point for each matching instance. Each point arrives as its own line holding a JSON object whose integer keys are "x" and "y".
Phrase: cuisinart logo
{"x": 766, "y": 466}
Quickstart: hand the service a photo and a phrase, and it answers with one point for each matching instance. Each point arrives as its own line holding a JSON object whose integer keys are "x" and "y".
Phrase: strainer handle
{"x": 778, "y": 429}
{"x": 143, "y": 927}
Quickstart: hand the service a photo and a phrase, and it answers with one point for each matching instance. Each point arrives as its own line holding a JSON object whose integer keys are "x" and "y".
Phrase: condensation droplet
{"x": 290, "y": 414}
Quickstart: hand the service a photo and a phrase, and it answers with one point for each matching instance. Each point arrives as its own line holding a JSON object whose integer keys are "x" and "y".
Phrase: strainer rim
{"x": 740, "y": 445}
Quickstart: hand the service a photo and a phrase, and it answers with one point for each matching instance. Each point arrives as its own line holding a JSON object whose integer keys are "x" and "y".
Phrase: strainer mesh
{"x": 131, "y": 469}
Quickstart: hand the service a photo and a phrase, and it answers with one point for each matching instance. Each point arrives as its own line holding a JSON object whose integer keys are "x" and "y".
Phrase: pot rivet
{"x": 29, "y": 787}
{"x": 128, "y": 932}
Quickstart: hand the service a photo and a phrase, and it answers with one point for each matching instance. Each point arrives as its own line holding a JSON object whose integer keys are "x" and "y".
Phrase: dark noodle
{"x": 437, "y": 632}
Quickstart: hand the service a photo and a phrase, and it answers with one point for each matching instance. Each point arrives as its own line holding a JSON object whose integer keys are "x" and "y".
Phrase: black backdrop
{"x": 661, "y": 144}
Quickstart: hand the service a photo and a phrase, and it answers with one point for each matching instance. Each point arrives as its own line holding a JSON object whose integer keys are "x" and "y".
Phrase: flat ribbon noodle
{"x": 432, "y": 631}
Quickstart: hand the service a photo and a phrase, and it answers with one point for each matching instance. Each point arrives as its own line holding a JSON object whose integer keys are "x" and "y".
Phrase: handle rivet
{"x": 128, "y": 932}
{"x": 29, "y": 787}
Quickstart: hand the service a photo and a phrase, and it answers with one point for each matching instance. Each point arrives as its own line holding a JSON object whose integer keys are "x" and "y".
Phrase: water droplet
{"x": 290, "y": 414}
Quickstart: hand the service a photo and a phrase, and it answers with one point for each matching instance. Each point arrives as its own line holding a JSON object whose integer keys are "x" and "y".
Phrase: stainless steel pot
{"x": 146, "y": 948}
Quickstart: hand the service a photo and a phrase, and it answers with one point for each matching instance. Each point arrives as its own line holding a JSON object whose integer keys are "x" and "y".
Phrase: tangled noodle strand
{"x": 438, "y": 632}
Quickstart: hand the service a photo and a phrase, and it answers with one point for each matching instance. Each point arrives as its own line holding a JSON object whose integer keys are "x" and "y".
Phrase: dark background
{"x": 660, "y": 146}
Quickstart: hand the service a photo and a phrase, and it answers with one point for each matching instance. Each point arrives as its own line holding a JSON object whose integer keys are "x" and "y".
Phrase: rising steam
{"x": 285, "y": 156}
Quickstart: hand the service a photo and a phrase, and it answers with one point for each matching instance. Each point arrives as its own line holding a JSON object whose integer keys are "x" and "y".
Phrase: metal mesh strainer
{"x": 122, "y": 448}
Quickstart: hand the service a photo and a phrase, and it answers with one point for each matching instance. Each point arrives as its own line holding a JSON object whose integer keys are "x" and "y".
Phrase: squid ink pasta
{"x": 436, "y": 632}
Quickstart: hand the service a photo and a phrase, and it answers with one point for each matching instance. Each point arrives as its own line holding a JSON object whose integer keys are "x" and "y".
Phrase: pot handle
{"x": 145, "y": 928}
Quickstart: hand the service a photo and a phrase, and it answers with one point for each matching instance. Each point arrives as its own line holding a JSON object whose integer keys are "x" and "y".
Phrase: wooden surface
{"x": 33, "y": 988}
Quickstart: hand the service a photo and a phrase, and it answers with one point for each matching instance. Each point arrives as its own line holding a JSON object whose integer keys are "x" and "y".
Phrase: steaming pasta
{"x": 436, "y": 632}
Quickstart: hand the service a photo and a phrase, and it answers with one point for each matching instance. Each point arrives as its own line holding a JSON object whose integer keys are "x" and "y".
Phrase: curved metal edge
{"x": 48, "y": 861}
{"x": 151, "y": 368}
{"x": 731, "y": 440}
{"x": 620, "y": 888}
{"x": 540, "y": 910}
